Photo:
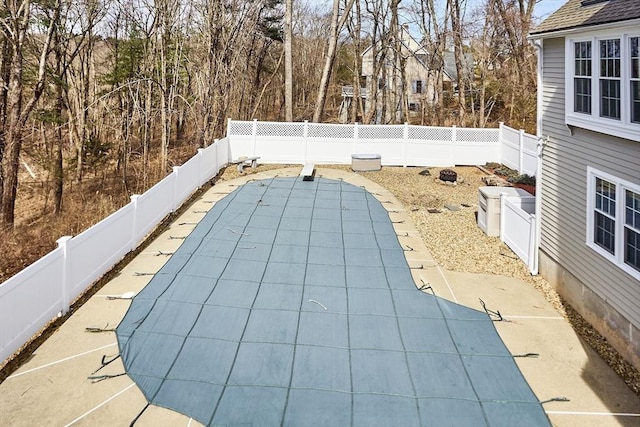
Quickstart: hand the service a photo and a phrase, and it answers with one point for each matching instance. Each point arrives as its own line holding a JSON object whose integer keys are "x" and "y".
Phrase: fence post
{"x": 175, "y": 188}
{"x": 503, "y": 210}
{"x": 228, "y": 127}
{"x": 201, "y": 168}
{"x": 254, "y": 132}
{"x": 134, "y": 226}
{"x": 66, "y": 299}
{"x": 532, "y": 244}
{"x": 501, "y": 141}
{"x": 405, "y": 138}
{"x": 521, "y": 151}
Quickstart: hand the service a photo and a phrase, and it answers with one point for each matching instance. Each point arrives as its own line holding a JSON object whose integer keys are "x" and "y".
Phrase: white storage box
{"x": 366, "y": 162}
{"x": 489, "y": 206}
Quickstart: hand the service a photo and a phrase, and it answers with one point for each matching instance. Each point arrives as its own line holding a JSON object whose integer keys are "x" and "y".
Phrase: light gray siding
{"x": 564, "y": 179}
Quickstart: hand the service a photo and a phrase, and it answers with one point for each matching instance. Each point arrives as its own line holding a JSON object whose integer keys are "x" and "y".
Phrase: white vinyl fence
{"x": 398, "y": 145}
{"x": 519, "y": 150}
{"x": 518, "y": 227}
{"x": 31, "y": 298}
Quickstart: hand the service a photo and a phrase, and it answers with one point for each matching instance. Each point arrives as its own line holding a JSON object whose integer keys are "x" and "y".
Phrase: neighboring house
{"x": 393, "y": 93}
{"x": 589, "y": 111}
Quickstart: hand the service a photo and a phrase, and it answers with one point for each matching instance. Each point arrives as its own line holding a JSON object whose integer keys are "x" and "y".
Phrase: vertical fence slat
{"x": 255, "y": 136}
{"x": 405, "y": 143}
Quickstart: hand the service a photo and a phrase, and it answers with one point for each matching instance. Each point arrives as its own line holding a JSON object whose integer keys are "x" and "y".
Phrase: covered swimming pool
{"x": 292, "y": 303}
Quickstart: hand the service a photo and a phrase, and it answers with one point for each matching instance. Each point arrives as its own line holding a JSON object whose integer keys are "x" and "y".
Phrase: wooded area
{"x": 100, "y": 98}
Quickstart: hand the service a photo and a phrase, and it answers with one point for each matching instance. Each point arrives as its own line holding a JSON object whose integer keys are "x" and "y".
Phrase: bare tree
{"x": 15, "y": 28}
{"x": 337, "y": 22}
{"x": 354, "y": 26}
{"x": 457, "y": 28}
{"x": 513, "y": 18}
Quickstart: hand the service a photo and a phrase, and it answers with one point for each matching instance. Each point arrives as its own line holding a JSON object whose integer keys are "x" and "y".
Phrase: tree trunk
{"x": 458, "y": 49}
{"x": 288, "y": 62}
{"x": 17, "y": 113}
{"x": 58, "y": 175}
{"x": 357, "y": 109}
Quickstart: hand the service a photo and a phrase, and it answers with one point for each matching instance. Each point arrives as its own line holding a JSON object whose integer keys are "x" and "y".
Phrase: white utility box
{"x": 489, "y": 206}
{"x": 366, "y": 162}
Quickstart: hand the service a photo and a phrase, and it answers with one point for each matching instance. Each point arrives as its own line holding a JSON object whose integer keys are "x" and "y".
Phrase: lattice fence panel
{"x": 280, "y": 129}
{"x": 430, "y": 133}
{"x": 477, "y": 135}
{"x": 389, "y": 133}
{"x": 317, "y": 130}
{"x": 240, "y": 128}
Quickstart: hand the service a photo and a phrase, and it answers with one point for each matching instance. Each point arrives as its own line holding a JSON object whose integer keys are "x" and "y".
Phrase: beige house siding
{"x": 415, "y": 71}
{"x": 604, "y": 294}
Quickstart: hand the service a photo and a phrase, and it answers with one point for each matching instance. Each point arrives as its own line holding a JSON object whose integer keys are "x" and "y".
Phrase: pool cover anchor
{"x": 426, "y": 286}
{"x": 97, "y": 378}
{"x": 107, "y": 363}
{"x": 494, "y": 315}
{"x": 96, "y": 330}
{"x": 164, "y": 253}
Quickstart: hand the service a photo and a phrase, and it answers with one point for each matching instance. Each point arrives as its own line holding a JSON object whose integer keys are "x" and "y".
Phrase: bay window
{"x": 603, "y": 83}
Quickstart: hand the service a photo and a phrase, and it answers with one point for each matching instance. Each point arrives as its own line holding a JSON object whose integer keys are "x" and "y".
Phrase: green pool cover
{"x": 291, "y": 303}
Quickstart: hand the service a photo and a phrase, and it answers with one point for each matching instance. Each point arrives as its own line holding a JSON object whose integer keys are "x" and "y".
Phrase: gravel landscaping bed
{"x": 445, "y": 216}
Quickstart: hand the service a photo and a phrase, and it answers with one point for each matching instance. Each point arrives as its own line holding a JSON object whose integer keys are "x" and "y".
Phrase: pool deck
{"x": 52, "y": 387}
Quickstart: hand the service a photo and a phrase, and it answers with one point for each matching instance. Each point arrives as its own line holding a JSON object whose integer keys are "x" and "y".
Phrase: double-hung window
{"x": 610, "y": 78}
{"x": 613, "y": 220}
{"x": 417, "y": 86}
{"x": 634, "y": 66}
{"x": 603, "y": 82}
{"x": 582, "y": 79}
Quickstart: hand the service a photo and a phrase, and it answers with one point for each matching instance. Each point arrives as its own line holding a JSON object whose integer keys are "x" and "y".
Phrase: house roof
{"x": 585, "y": 13}
{"x": 407, "y": 40}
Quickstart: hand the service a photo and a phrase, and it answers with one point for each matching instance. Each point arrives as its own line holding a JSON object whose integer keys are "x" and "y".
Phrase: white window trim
{"x": 623, "y": 127}
{"x": 621, "y": 186}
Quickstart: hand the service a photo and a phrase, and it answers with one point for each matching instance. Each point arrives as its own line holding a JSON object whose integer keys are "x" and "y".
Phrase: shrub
{"x": 523, "y": 179}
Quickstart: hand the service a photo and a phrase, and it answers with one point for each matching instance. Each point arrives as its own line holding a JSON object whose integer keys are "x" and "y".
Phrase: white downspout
{"x": 537, "y": 43}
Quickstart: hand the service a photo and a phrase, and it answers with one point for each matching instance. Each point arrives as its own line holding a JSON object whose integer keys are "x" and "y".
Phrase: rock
{"x": 495, "y": 181}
